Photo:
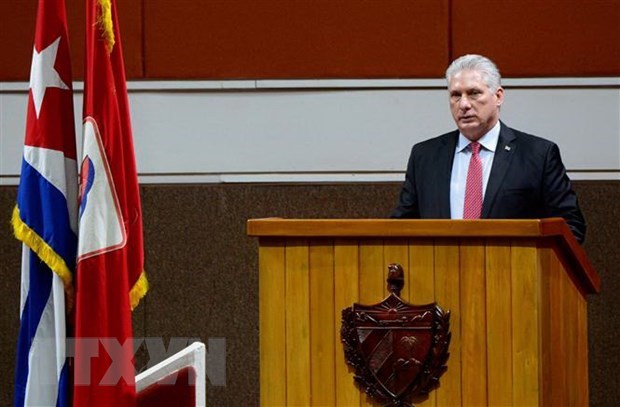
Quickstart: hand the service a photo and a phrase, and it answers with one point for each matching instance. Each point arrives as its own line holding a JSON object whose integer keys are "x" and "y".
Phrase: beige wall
{"x": 328, "y": 131}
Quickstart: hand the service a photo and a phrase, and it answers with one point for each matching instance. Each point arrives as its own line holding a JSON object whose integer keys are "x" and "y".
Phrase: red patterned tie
{"x": 473, "y": 188}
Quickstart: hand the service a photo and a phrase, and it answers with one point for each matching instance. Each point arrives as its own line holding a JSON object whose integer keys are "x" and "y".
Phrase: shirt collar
{"x": 488, "y": 141}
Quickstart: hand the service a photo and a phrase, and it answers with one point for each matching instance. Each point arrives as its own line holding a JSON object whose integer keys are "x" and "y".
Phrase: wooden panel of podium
{"x": 516, "y": 290}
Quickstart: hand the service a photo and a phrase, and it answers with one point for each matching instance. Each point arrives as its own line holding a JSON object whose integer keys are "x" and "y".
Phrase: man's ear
{"x": 499, "y": 94}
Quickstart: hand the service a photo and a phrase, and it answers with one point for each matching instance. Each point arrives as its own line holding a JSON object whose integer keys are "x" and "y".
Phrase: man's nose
{"x": 464, "y": 103}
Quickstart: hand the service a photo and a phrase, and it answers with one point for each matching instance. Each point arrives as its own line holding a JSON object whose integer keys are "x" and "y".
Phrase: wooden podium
{"x": 516, "y": 290}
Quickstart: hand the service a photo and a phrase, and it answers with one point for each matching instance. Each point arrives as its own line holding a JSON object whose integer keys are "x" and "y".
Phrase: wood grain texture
{"x": 570, "y": 311}
{"x": 322, "y": 326}
{"x": 525, "y": 323}
{"x": 572, "y": 253}
{"x": 518, "y": 318}
{"x": 549, "y": 325}
{"x": 557, "y": 340}
{"x": 585, "y": 36}
{"x": 345, "y": 39}
{"x": 373, "y": 272}
{"x": 403, "y": 227}
{"x": 18, "y": 26}
{"x": 421, "y": 284}
{"x": 499, "y": 322}
{"x": 297, "y": 324}
{"x": 280, "y": 39}
{"x": 346, "y": 293}
{"x": 447, "y": 295}
{"x": 473, "y": 322}
{"x": 272, "y": 308}
{"x": 421, "y": 271}
{"x": 583, "y": 395}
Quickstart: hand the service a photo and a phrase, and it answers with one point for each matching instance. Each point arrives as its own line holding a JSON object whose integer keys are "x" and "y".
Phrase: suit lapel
{"x": 506, "y": 148}
{"x": 444, "y": 174}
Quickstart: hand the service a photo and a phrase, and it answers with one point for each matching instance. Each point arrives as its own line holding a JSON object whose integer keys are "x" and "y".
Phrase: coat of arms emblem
{"x": 398, "y": 350}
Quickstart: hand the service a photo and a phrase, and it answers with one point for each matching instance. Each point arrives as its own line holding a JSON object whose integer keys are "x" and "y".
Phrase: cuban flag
{"x": 45, "y": 217}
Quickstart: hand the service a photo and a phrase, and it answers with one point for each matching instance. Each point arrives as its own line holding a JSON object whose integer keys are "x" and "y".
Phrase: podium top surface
{"x": 407, "y": 227}
{"x": 552, "y": 229}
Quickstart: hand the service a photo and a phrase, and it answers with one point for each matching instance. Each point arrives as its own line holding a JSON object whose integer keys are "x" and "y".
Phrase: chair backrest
{"x": 179, "y": 380}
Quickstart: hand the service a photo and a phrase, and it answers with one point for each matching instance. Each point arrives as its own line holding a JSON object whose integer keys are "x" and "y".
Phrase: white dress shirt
{"x": 461, "y": 165}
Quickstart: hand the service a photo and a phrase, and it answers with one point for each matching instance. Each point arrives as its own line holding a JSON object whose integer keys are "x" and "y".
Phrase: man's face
{"x": 475, "y": 108}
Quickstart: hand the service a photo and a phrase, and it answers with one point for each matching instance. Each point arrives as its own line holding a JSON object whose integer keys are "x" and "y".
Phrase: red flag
{"x": 110, "y": 278}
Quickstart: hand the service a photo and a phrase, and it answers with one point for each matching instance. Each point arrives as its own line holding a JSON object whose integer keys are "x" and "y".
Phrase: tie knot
{"x": 475, "y": 147}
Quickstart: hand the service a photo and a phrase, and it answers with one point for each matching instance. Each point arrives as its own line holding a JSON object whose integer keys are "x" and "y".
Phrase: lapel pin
{"x": 507, "y": 148}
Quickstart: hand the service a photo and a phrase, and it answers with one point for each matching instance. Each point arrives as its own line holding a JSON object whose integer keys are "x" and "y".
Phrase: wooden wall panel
{"x": 421, "y": 283}
{"x": 515, "y": 317}
{"x": 575, "y": 338}
{"x": 525, "y": 294}
{"x": 372, "y": 283}
{"x": 298, "y": 384}
{"x": 323, "y": 352}
{"x": 546, "y": 38}
{"x": 221, "y": 39}
{"x": 17, "y": 20}
{"x": 272, "y": 323}
{"x": 447, "y": 295}
{"x": 295, "y": 39}
{"x": 583, "y": 395}
{"x": 570, "y": 316}
{"x": 473, "y": 323}
{"x": 346, "y": 274}
{"x": 499, "y": 327}
{"x": 130, "y": 15}
{"x": 17, "y": 39}
{"x": 550, "y": 286}
{"x": 421, "y": 287}
{"x": 563, "y": 322}
{"x": 558, "y": 326}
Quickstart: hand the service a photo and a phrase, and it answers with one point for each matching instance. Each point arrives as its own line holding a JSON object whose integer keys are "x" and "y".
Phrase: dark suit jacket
{"x": 527, "y": 181}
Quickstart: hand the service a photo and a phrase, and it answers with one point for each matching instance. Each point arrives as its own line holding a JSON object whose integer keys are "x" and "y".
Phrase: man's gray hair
{"x": 473, "y": 62}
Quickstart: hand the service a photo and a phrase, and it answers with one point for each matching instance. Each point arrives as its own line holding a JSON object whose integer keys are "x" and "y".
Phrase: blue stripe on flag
{"x": 39, "y": 380}
{"x": 47, "y": 215}
{"x": 64, "y": 397}
{"x": 40, "y": 290}
{"x": 43, "y": 208}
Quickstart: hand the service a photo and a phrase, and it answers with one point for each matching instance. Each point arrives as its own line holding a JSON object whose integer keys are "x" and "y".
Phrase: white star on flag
{"x": 43, "y": 75}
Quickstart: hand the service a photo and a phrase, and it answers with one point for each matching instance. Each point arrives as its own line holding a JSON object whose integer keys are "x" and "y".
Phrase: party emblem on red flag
{"x": 398, "y": 350}
{"x": 101, "y": 220}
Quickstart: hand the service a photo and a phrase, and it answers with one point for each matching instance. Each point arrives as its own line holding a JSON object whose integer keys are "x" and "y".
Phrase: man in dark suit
{"x": 485, "y": 169}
